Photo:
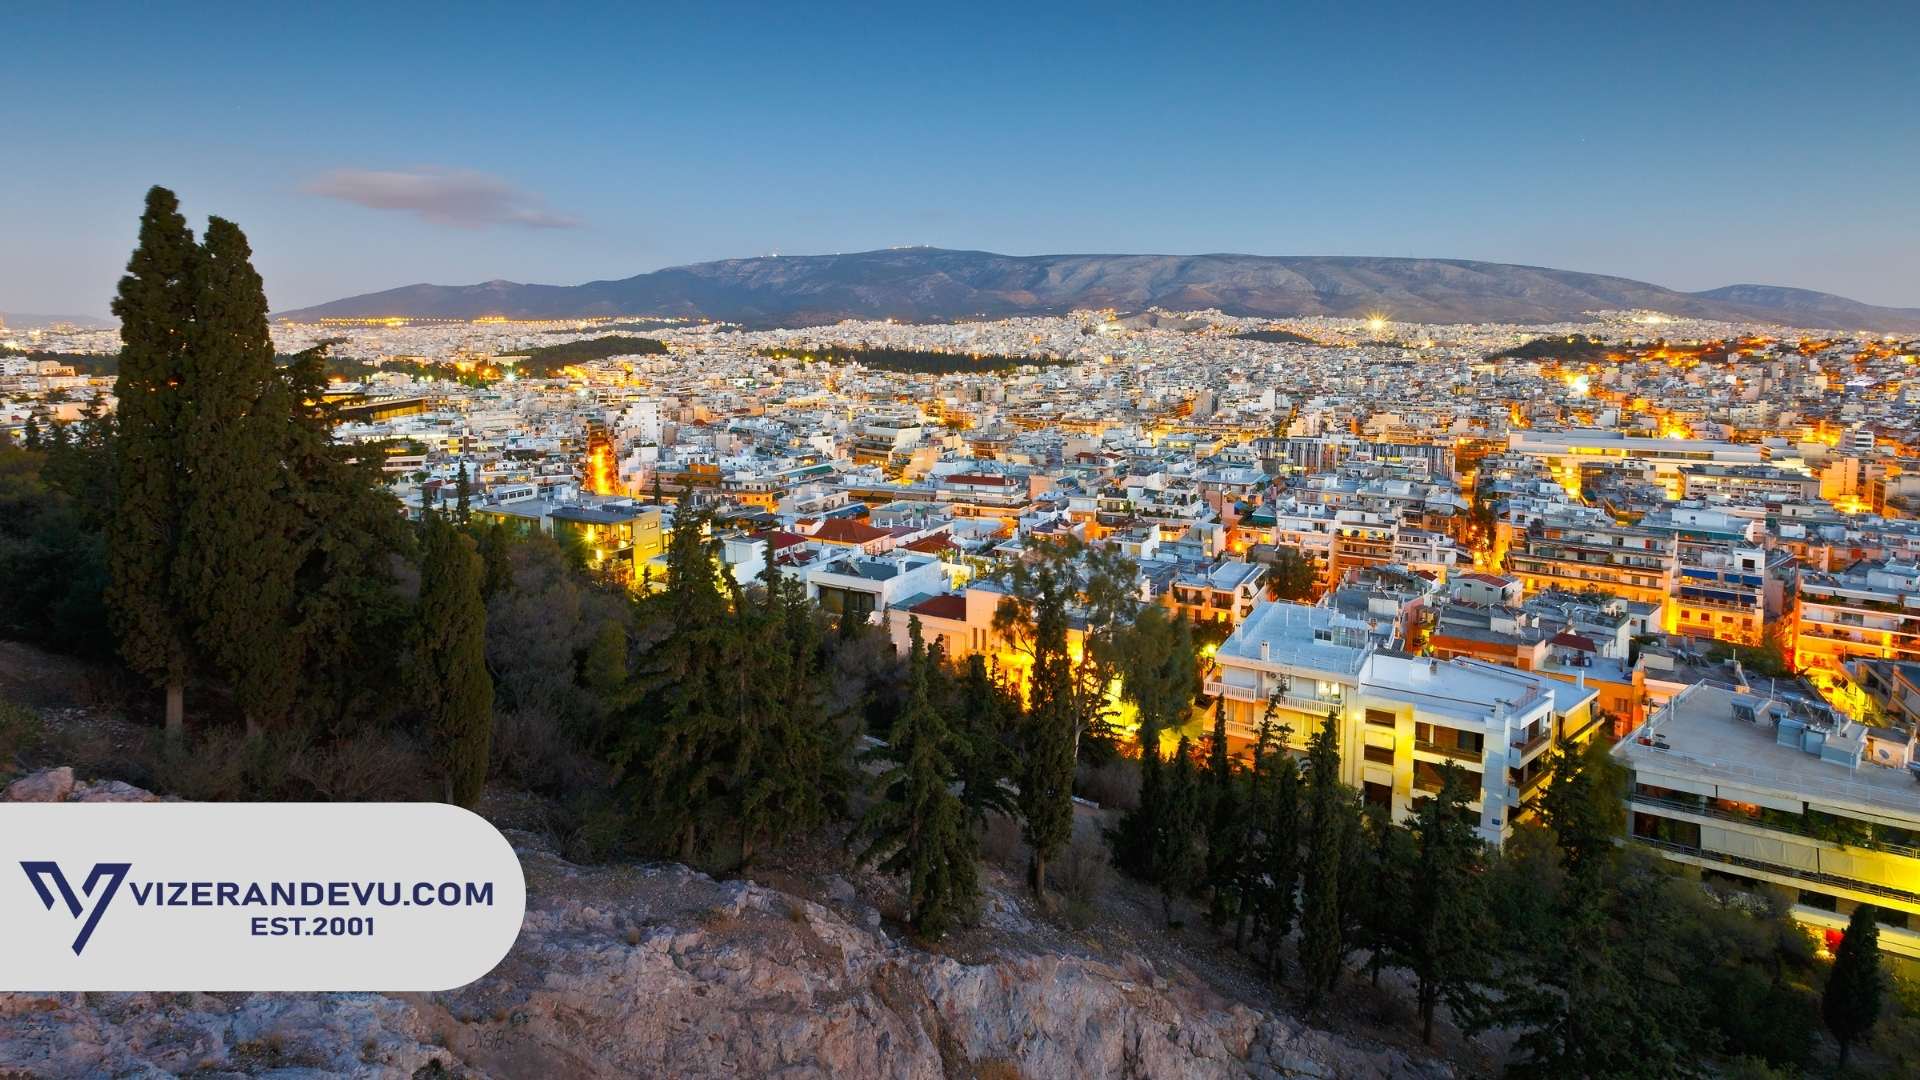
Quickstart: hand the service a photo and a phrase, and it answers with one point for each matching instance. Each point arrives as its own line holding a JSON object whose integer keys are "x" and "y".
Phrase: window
{"x": 1380, "y": 718}
{"x": 1381, "y": 755}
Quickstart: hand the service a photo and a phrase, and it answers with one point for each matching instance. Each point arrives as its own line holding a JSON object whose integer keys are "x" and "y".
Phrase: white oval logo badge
{"x": 253, "y": 896}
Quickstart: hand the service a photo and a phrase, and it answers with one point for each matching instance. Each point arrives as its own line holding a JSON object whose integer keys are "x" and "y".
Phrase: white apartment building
{"x": 1400, "y": 717}
{"x": 1758, "y": 792}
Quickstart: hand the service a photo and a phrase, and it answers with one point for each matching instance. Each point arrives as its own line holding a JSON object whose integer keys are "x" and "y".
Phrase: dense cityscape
{"x": 1640, "y": 574}
{"x": 959, "y": 542}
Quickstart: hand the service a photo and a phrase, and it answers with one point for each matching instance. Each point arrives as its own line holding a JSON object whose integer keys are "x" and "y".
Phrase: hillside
{"x": 933, "y": 284}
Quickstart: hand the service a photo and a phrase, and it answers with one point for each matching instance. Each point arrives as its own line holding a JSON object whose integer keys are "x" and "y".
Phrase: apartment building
{"x": 1579, "y": 553}
{"x": 1869, "y": 611}
{"x": 1762, "y": 793}
{"x": 1400, "y": 717}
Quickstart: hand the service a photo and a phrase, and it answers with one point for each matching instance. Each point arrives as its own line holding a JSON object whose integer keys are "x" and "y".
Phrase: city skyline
{"x": 1699, "y": 149}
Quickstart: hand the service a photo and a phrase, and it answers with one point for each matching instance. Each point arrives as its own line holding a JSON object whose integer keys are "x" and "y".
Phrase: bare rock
{"x": 45, "y": 785}
{"x": 110, "y": 791}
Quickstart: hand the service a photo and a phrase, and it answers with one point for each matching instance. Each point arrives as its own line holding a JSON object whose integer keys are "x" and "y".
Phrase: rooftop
{"x": 1699, "y": 737}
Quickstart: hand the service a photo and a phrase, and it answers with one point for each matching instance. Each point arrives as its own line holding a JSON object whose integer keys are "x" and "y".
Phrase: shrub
{"x": 20, "y": 733}
{"x": 1113, "y": 784}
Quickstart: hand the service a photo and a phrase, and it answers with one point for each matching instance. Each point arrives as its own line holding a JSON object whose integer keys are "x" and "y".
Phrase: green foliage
{"x": 1177, "y": 860}
{"x": 1270, "y": 880}
{"x": 156, "y": 307}
{"x": 547, "y": 360}
{"x": 917, "y": 826}
{"x": 234, "y": 568}
{"x": 1292, "y": 575}
{"x": 1048, "y": 736}
{"x": 1226, "y": 824}
{"x": 1851, "y": 1003}
{"x": 1585, "y": 806}
{"x": 1330, "y": 806}
{"x": 912, "y": 361}
{"x": 53, "y": 570}
{"x": 450, "y": 650}
{"x": 20, "y": 732}
{"x": 1443, "y": 938}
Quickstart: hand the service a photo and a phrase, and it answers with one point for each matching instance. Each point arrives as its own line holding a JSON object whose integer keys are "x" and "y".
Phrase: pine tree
{"x": 1321, "y": 918}
{"x": 1851, "y": 1002}
{"x": 679, "y": 751}
{"x": 1443, "y": 939}
{"x": 496, "y": 545}
{"x": 1585, "y": 806}
{"x": 451, "y": 660}
{"x": 794, "y": 775}
{"x": 155, "y": 306}
{"x": 1160, "y": 678}
{"x": 238, "y": 529}
{"x": 30, "y": 434}
{"x": 917, "y": 826}
{"x": 348, "y": 529}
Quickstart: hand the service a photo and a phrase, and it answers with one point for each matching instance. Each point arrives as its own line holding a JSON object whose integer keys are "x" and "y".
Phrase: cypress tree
{"x": 238, "y": 530}
{"x": 1049, "y": 743}
{"x": 30, "y": 434}
{"x": 1321, "y": 946}
{"x": 1851, "y": 1002}
{"x": 986, "y": 715}
{"x": 1443, "y": 939}
{"x": 917, "y": 826}
{"x": 155, "y": 306}
{"x": 1226, "y": 841}
{"x": 463, "y": 496}
{"x": 1176, "y": 854}
{"x": 1277, "y": 876}
{"x": 496, "y": 544}
{"x": 451, "y": 655}
{"x": 1160, "y": 678}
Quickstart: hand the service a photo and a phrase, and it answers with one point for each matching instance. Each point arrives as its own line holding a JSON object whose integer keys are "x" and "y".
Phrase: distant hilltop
{"x": 935, "y": 284}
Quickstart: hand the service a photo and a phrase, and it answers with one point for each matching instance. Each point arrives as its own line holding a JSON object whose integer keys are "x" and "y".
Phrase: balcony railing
{"x": 1528, "y": 745}
{"x": 1833, "y": 880}
{"x": 1455, "y": 752}
{"x": 1772, "y": 826}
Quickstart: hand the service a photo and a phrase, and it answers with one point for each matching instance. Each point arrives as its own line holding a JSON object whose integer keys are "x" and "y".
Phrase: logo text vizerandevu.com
{"x": 107, "y": 878}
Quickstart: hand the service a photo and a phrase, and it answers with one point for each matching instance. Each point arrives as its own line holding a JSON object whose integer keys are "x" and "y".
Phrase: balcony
{"x": 1233, "y": 692}
{"x": 1447, "y": 751}
{"x": 1527, "y": 746}
{"x": 1830, "y": 880}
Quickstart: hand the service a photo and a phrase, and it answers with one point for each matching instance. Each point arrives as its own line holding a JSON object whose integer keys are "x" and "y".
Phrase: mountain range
{"x": 936, "y": 284}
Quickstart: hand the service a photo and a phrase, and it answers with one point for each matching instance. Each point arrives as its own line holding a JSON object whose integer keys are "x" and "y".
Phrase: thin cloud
{"x": 459, "y": 197}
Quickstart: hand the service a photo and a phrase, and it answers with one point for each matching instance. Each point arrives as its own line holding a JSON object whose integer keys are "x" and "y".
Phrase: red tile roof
{"x": 947, "y": 606}
{"x": 844, "y": 531}
{"x": 932, "y": 545}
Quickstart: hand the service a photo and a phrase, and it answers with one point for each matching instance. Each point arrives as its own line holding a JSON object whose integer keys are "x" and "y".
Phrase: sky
{"x": 364, "y": 147}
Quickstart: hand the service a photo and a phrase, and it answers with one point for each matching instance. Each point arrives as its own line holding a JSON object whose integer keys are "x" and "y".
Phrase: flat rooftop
{"x": 1705, "y": 742}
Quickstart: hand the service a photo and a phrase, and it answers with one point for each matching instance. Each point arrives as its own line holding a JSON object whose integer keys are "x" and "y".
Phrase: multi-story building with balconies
{"x": 1765, "y": 793}
{"x": 1400, "y": 718}
{"x": 1869, "y": 611}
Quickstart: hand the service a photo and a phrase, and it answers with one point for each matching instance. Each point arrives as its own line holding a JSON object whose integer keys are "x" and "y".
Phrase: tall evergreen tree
{"x": 155, "y": 306}
{"x": 1851, "y": 1002}
{"x": 918, "y": 826}
{"x": 1177, "y": 859}
{"x": 451, "y": 657}
{"x": 679, "y": 750}
{"x": 1226, "y": 840}
{"x": 1585, "y": 806}
{"x": 794, "y": 775}
{"x": 1160, "y": 678}
{"x": 462, "y": 496}
{"x": 237, "y": 558}
{"x": 1275, "y": 876}
{"x": 1328, "y": 807}
{"x": 346, "y": 532}
{"x": 986, "y": 717}
{"x": 30, "y": 433}
{"x": 1048, "y": 748}
{"x": 1443, "y": 940}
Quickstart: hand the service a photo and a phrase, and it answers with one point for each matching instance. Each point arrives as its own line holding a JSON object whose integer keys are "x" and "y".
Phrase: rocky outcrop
{"x": 661, "y": 971}
{"x": 57, "y": 785}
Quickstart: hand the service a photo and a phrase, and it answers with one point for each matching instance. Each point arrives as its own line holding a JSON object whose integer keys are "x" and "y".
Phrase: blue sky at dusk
{"x": 369, "y": 146}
